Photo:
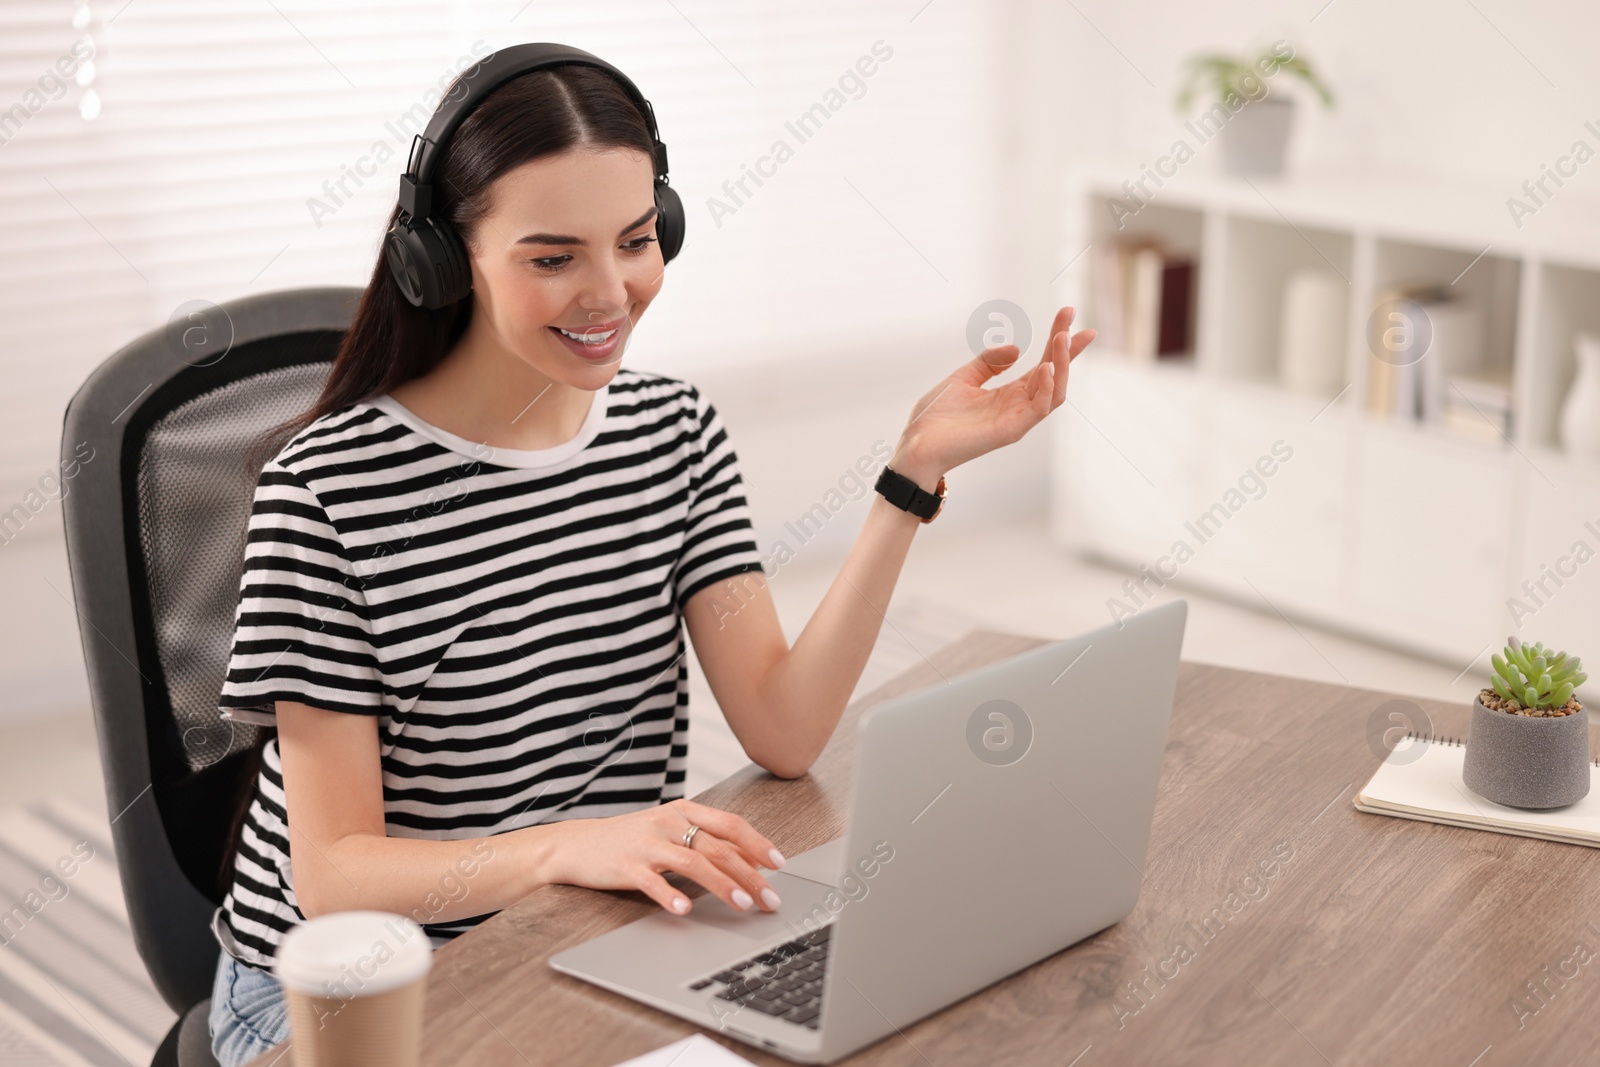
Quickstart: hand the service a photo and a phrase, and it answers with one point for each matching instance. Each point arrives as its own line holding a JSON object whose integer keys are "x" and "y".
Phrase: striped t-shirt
{"x": 513, "y": 619}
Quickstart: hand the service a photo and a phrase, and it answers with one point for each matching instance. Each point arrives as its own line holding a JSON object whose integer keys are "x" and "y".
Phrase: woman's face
{"x": 569, "y": 242}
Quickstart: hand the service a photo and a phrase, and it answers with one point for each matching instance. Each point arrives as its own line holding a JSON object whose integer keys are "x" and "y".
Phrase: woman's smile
{"x": 599, "y": 342}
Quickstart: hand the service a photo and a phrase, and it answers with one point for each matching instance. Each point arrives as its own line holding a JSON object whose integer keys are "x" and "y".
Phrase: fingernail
{"x": 769, "y": 898}
{"x": 777, "y": 859}
{"x": 742, "y": 901}
{"x": 680, "y": 905}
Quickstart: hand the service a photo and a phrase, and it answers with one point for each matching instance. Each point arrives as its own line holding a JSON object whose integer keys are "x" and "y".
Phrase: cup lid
{"x": 352, "y": 954}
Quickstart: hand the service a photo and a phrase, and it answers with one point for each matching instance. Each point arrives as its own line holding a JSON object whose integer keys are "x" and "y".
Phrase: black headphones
{"x": 425, "y": 254}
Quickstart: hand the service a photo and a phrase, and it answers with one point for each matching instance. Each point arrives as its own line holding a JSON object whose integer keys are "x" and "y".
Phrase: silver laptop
{"x": 996, "y": 819}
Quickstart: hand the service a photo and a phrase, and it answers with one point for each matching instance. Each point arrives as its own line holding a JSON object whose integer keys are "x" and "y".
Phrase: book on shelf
{"x": 1456, "y": 350}
{"x": 1479, "y": 405}
{"x": 1394, "y": 385}
{"x": 1108, "y": 286}
{"x": 1144, "y": 300}
{"x": 1175, "y": 335}
{"x": 1143, "y": 307}
{"x": 1449, "y": 380}
{"x": 1465, "y": 422}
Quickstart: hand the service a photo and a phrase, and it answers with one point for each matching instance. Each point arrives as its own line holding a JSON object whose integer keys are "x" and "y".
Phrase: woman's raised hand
{"x": 633, "y": 851}
{"x": 958, "y": 419}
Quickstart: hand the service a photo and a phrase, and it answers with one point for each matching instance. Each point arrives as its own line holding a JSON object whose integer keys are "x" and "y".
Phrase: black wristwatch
{"x": 907, "y": 495}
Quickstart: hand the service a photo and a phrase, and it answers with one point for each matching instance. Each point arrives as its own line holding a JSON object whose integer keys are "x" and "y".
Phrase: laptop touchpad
{"x": 800, "y": 898}
{"x": 824, "y": 864}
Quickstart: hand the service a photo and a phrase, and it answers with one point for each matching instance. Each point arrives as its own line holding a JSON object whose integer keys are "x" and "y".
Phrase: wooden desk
{"x": 1372, "y": 940}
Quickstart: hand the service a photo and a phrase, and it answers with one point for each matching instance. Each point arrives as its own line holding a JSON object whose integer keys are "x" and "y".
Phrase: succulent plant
{"x": 1534, "y": 676}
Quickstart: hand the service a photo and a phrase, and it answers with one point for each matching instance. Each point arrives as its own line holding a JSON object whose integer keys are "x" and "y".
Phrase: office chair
{"x": 155, "y": 524}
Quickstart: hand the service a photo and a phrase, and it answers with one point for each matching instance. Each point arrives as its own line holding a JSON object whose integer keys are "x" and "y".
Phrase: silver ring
{"x": 688, "y": 835}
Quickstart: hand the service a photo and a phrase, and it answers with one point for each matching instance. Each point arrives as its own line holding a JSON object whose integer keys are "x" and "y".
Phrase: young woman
{"x": 470, "y": 567}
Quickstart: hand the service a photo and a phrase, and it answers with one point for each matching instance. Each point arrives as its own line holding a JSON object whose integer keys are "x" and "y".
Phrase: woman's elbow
{"x": 321, "y": 885}
{"x": 785, "y": 764}
{"x": 308, "y": 909}
{"x": 314, "y": 900}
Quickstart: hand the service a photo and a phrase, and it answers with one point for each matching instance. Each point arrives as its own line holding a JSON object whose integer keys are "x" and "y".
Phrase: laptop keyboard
{"x": 784, "y": 982}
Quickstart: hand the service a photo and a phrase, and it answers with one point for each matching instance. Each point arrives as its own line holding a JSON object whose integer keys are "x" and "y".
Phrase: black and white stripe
{"x": 512, "y": 618}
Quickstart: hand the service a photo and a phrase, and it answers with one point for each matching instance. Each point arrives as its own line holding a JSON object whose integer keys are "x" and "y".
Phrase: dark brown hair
{"x": 534, "y": 115}
{"x": 390, "y": 340}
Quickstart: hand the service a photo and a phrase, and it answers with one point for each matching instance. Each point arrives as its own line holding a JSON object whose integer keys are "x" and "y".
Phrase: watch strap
{"x": 907, "y": 495}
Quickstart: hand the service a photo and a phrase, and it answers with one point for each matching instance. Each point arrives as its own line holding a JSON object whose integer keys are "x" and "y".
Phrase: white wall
{"x": 1431, "y": 88}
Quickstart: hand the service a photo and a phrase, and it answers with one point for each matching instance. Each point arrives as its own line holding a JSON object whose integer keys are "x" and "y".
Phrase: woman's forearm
{"x": 430, "y": 881}
{"x": 806, "y": 691}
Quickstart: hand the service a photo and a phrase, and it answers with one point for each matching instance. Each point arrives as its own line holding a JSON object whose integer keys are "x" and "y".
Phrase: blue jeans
{"x": 248, "y": 1014}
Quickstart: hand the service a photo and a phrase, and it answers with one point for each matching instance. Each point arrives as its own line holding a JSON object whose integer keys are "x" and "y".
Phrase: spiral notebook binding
{"x": 1459, "y": 742}
{"x": 1436, "y": 739}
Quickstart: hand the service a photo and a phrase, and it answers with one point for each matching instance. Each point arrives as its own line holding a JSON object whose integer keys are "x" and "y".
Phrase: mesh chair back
{"x": 194, "y": 491}
{"x": 155, "y": 541}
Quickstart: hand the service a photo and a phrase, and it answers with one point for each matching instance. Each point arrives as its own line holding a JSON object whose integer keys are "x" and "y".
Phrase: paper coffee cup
{"x": 354, "y": 982}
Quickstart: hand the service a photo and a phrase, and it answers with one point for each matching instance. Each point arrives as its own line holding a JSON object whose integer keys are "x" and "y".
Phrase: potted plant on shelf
{"x": 1529, "y": 742}
{"x": 1253, "y": 121}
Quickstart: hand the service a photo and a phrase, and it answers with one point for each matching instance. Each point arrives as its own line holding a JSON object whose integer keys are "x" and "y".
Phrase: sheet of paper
{"x": 696, "y": 1051}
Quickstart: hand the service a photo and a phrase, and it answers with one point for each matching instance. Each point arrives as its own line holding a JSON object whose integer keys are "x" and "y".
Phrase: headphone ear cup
{"x": 428, "y": 262}
{"x": 455, "y": 270}
{"x": 669, "y": 220}
{"x": 405, "y": 255}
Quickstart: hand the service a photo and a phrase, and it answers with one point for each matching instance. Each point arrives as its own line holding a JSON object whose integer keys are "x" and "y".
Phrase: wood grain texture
{"x": 1277, "y": 925}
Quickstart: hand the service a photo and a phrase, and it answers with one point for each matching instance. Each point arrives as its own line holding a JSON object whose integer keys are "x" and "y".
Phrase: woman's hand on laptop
{"x": 633, "y": 851}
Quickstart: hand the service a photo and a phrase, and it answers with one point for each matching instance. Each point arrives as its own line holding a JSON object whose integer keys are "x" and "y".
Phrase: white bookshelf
{"x": 1394, "y": 530}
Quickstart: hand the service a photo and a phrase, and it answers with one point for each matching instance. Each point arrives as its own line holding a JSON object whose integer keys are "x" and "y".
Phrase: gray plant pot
{"x": 1256, "y": 139}
{"x": 1524, "y": 761}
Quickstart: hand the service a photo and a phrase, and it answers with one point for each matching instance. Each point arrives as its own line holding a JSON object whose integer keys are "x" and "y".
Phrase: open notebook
{"x": 1422, "y": 780}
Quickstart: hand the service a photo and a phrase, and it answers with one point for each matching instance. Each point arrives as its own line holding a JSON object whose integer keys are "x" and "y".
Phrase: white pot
{"x": 1579, "y": 426}
{"x": 1256, "y": 139}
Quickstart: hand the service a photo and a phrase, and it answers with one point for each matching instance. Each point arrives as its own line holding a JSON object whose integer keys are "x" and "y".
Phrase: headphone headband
{"x": 478, "y": 81}
{"x": 426, "y": 256}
